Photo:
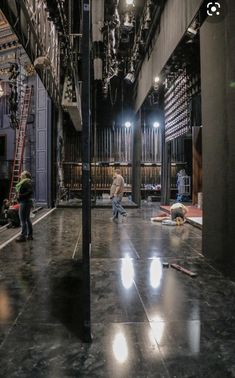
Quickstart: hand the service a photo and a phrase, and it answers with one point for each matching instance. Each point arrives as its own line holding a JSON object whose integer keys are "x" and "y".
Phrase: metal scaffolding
{"x": 38, "y": 36}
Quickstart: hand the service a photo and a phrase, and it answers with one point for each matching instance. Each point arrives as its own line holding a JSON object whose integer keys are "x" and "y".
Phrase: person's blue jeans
{"x": 117, "y": 207}
{"x": 24, "y": 214}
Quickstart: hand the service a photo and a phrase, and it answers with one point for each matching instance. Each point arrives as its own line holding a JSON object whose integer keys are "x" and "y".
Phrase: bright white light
{"x": 120, "y": 348}
{"x": 155, "y": 273}
{"x": 157, "y": 326}
{"x": 156, "y": 125}
{"x": 130, "y": 2}
{"x": 156, "y": 79}
{"x": 127, "y": 124}
{"x": 127, "y": 272}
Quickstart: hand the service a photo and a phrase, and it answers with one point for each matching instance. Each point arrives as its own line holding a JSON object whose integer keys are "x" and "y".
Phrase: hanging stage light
{"x": 156, "y": 82}
{"x": 156, "y": 79}
{"x": 129, "y": 78}
{"x": 156, "y": 125}
{"x": 128, "y": 21}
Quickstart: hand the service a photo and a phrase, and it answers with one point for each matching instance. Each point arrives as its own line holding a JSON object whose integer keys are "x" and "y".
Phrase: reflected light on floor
{"x": 5, "y": 308}
{"x": 120, "y": 348}
{"x": 155, "y": 273}
{"x": 194, "y": 329}
{"x": 127, "y": 272}
{"x": 158, "y": 327}
{"x": 194, "y": 334}
{"x": 175, "y": 240}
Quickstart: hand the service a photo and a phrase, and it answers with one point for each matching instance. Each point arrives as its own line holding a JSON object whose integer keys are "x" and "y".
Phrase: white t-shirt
{"x": 179, "y": 205}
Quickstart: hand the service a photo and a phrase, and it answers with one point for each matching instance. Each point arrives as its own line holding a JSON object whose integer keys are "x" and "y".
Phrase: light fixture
{"x": 156, "y": 83}
{"x": 130, "y": 2}
{"x": 129, "y": 78}
{"x": 156, "y": 79}
{"x": 156, "y": 125}
{"x": 192, "y": 31}
{"x": 128, "y": 21}
{"x": 127, "y": 124}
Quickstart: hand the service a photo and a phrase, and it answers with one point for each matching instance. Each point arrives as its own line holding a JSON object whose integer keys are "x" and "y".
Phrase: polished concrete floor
{"x": 147, "y": 321}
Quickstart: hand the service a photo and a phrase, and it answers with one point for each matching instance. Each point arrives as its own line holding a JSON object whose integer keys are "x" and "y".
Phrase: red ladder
{"x": 20, "y": 143}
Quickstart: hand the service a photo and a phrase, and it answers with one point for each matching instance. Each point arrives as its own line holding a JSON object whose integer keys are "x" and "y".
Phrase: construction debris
{"x": 183, "y": 270}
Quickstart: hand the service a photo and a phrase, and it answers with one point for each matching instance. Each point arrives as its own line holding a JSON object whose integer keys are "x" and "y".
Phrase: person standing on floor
{"x": 24, "y": 192}
{"x": 116, "y": 194}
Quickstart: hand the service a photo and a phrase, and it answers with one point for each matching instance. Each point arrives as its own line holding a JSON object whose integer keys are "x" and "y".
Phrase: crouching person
{"x": 13, "y": 216}
{"x": 178, "y": 212}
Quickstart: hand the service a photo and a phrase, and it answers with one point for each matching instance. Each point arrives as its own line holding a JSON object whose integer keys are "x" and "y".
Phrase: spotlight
{"x": 156, "y": 79}
{"x": 192, "y": 31}
{"x": 129, "y": 78}
{"x": 127, "y": 124}
{"x": 156, "y": 125}
{"x": 128, "y": 22}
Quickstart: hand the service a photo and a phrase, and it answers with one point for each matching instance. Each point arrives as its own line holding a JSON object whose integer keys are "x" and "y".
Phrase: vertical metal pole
{"x": 95, "y": 142}
{"x": 136, "y": 162}
{"x": 165, "y": 157}
{"x": 86, "y": 190}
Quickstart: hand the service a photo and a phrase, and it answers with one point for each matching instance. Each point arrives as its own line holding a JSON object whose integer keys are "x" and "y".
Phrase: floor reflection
{"x": 146, "y": 321}
{"x": 120, "y": 348}
{"x": 127, "y": 272}
{"x": 155, "y": 273}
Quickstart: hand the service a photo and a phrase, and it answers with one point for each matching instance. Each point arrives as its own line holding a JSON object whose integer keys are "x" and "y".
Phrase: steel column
{"x": 86, "y": 189}
{"x": 136, "y": 171}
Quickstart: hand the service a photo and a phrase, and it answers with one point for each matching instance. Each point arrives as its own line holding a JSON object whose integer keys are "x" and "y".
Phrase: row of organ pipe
{"x": 101, "y": 176}
{"x": 115, "y": 145}
{"x": 113, "y": 148}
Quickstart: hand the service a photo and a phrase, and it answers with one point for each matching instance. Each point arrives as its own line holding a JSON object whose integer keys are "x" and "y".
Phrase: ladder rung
{"x": 21, "y": 135}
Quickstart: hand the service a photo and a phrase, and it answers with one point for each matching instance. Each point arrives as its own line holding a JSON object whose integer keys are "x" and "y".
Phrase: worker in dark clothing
{"x": 24, "y": 192}
{"x": 4, "y": 210}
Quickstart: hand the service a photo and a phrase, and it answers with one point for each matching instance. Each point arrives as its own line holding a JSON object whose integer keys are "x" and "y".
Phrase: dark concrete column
{"x": 136, "y": 166}
{"x": 197, "y": 162}
{"x": 218, "y": 140}
{"x": 60, "y": 150}
{"x": 165, "y": 172}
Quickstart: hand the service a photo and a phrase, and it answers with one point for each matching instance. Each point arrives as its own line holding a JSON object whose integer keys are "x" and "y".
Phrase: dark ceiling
{"x": 127, "y": 36}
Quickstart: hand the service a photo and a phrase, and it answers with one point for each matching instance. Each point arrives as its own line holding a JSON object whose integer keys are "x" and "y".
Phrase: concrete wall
{"x": 218, "y": 135}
